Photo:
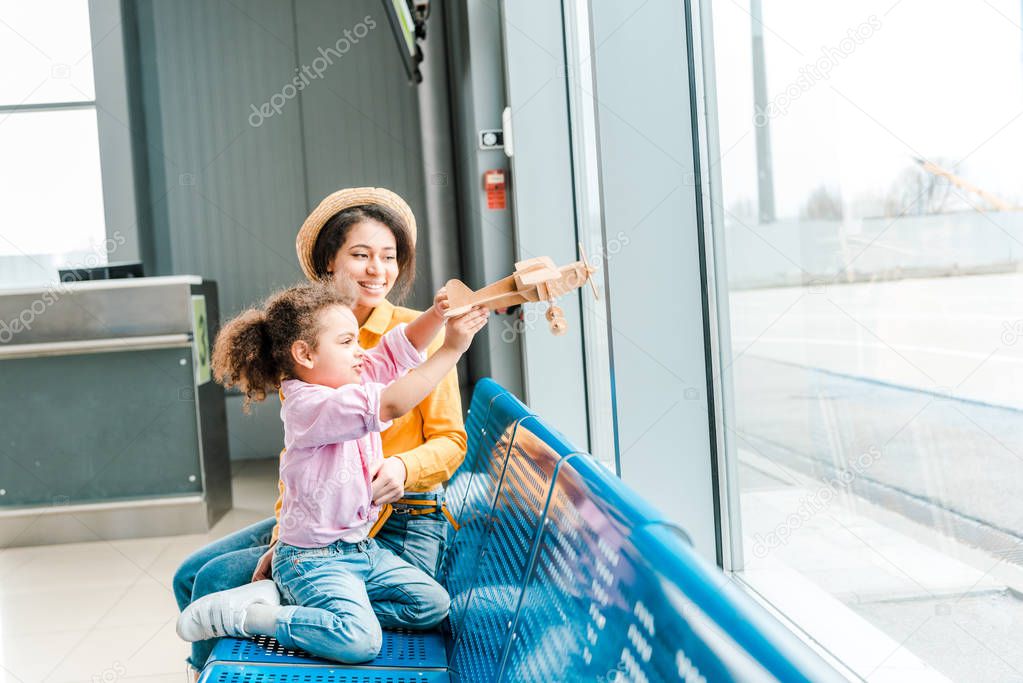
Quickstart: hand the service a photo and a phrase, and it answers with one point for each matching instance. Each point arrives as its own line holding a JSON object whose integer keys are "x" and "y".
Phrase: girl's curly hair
{"x": 253, "y": 351}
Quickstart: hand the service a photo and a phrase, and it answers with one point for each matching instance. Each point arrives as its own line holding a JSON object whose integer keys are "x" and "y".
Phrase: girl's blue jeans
{"x": 230, "y": 561}
{"x": 339, "y": 596}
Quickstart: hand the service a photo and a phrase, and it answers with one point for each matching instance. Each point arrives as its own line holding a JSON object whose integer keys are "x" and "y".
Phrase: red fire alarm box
{"x": 494, "y": 184}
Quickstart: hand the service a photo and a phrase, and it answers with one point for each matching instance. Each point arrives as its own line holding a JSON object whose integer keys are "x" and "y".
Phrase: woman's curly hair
{"x": 253, "y": 351}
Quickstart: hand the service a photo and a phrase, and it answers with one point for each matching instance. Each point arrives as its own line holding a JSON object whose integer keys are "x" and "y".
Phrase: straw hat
{"x": 339, "y": 201}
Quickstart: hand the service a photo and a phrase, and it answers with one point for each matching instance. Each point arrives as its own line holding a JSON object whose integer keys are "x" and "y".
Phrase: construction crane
{"x": 998, "y": 203}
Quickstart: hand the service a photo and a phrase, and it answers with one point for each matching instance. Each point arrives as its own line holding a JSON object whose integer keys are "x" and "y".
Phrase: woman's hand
{"x": 389, "y": 481}
{"x": 264, "y": 568}
{"x": 461, "y": 329}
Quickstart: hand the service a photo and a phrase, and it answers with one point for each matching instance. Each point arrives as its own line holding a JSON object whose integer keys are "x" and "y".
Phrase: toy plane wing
{"x": 534, "y": 279}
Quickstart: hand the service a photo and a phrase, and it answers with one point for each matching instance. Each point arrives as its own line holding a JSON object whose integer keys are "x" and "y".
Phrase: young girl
{"x": 338, "y": 585}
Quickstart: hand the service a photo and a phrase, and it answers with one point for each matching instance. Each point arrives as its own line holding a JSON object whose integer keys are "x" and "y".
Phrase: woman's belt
{"x": 415, "y": 507}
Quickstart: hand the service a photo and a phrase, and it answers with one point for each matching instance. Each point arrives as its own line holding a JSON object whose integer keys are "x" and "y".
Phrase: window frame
{"x": 114, "y": 134}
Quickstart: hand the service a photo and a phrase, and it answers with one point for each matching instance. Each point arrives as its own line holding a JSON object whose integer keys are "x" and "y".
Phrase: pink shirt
{"x": 332, "y": 443}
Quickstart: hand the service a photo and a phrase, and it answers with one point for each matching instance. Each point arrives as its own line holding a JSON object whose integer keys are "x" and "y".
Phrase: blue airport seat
{"x": 559, "y": 572}
{"x": 483, "y": 396}
{"x": 551, "y": 436}
{"x": 692, "y": 599}
{"x": 271, "y": 673}
{"x": 507, "y": 553}
{"x": 402, "y": 648}
{"x": 461, "y": 557}
{"x": 577, "y": 618}
{"x": 610, "y": 493}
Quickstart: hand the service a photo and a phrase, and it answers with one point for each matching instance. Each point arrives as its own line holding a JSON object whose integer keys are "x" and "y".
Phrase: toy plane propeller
{"x": 535, "y": 279}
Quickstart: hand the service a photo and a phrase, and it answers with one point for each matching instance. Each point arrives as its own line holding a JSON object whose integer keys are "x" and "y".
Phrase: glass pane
{"x": 51, "y": 197}
{"x": 49, "y": 41}
{"x": 873, "y": 238}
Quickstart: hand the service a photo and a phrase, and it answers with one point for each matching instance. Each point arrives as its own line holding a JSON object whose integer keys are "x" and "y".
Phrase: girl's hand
{"x": 263, "y": 567}
{"x": 389, "y": 481}
{"x": 440, "y": 302}
{"x": 461, "y": 329}
{"x": 424, "y": 328}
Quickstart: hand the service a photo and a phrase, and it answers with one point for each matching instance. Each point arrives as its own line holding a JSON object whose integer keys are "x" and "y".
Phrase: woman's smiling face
{"x": 369, "y": 256}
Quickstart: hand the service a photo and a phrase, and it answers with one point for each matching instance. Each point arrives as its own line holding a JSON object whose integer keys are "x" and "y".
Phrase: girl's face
{"x": 369, "y": 256}
{"x": 337, "y": 358}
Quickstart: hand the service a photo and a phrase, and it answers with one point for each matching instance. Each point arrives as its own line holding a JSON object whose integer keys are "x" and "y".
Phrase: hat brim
{"x": 338, "y": 201}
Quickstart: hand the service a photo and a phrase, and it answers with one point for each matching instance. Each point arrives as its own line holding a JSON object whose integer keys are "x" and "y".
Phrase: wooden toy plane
{"x": 535, "y": 279}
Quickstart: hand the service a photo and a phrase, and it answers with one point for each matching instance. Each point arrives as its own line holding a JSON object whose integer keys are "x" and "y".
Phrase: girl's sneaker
{"x": 223, "y": 614}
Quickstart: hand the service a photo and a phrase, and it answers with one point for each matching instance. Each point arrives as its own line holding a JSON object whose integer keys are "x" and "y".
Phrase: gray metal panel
{"x": 227, "y": 196}
{"x": 438, "y": 156}
{"x": 96, "y": 310}
{"x": 211, "y": 418}
{"x": 476, "y": 74}
{"x": 542, "y": 190}
{"x": 124, "y": 427}
{"x": 113, "y": 365}
{"x": 82, "y": 523}
{"x": 656, "y": 297}
{"x": 596, "y": 244}
{"x": 360, "y": 120}
{"x": 730, "y": 517}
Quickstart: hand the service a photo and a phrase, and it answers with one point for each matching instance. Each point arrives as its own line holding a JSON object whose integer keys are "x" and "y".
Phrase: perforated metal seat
{"x": 475, "y": 430}
{"x": 706, "y": 622}
{"x": 269, "y": 673}
{"x": 559, "y": 572}
{"x": 506, "y": 554}
{"x": 577, "y": 613}
{"x": 402, "y": 648}
{"x": 462, "y": 555}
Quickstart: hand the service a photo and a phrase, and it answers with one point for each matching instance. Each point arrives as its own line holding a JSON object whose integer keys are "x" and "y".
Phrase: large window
{"x": 870, "y": 205}
{"x": 51, "y": 202}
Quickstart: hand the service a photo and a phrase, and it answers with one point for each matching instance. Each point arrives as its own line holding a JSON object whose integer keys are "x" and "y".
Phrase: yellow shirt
{"x": 429, "y": 439}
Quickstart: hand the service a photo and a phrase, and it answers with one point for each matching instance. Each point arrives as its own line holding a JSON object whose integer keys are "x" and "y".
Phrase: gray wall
{"x": 224, "y": 197}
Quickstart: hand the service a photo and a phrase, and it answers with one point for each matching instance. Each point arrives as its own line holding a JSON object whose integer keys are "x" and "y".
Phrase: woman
{"x": 368, "y": 234}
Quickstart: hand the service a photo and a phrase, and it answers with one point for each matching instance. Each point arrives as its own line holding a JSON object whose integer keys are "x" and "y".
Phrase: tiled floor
{"x": 104, "y": 612}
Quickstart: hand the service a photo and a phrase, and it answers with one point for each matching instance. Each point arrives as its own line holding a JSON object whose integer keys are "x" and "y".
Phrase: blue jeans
{"x": 229, "y": 562}
{"x": 339, "y": 596}
{"x": 417, "y": 539}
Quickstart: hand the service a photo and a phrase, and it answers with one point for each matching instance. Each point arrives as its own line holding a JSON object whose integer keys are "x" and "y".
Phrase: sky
{"x": 941, "y": 79}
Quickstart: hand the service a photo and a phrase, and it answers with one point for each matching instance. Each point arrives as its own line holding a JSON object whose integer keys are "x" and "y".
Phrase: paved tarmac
{"x": 954, "y": 461}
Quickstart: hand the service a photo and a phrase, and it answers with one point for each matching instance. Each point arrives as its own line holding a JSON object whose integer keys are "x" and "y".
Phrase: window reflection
{"x": 872, "y": 221}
